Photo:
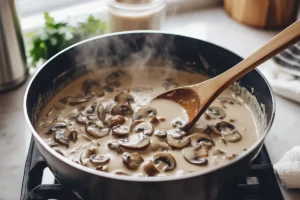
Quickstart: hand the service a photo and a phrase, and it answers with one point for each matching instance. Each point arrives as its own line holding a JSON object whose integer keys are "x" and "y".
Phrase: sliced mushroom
{"x": 222, "y": 128}
{"x": 95, "y": 130}
{"x": 92, "y": 108}
{"x": 219, "y": 152}
{"x": 85, "y": 155}
{"x": 150, "y": 168}
{"x": 215, "y": 112}
{"x": 198, "y": 138}
{"x": 145, "y": 128}
{"x": 135, "y": 123}
{"x": 115, "y": 120}
{"x": 120, "y": 131}
{"x": 154, "y": 120}
{"x": 108, "y": 88}
{"x": 224, "y": 100}
{"x": 99, "y": 159}
{"x": 233, "y": 136}
{"x": 57, "y": 126}
{"x": 178, "y": 143}
{"x": 78, "y": 100}
{"x": 60, "y": 137}
{"x": 160, "y": 133}
{"x": 176, "y": 133}
{"x": 143, "y": 113}
{"x": 101, "y": 112}
{"x": 132, "y": 160}
{"x": 114, "y": 78}
{"x": 231, "y": 157}
{"x": 102, "y": 168}
{"x": 123, "y": 98}
{"x": 194, "y": 156}
{"x": 122, "y": 110}
{"x": 80, "y": 119}
{"x": 92, "y": 86}
{"x": 159, "y": 144}
{"x": 115, "y": 146}
{"x": 120, "y": 172}
{"x": 179, "y": 122}
{"x": 138, "y": 141}
{"x": 73, "y": 136}
{"x": 164, "y": 161}
{"x": 92, "y": 117}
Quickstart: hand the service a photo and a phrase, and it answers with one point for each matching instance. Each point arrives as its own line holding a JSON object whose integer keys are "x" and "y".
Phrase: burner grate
{"x": 260, "y": 183}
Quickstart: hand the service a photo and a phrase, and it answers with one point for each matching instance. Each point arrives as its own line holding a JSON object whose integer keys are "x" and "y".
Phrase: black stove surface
{"x": 259, "y": 184}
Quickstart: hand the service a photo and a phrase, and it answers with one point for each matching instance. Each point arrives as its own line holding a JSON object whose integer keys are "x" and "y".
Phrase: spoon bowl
{"x": 195, "y": 99}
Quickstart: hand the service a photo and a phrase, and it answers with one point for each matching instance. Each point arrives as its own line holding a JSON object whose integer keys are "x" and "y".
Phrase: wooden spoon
{"x": 196, "y": 98}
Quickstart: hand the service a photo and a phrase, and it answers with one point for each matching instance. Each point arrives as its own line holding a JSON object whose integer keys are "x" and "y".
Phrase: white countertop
{"x": 212, "y": 25}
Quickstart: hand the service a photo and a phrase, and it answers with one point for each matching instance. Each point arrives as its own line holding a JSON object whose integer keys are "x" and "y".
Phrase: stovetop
{"x": 259, "y": 184}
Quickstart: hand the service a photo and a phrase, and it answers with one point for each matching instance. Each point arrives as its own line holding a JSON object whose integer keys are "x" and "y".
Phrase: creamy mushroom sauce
{"x": 77, "y": 123}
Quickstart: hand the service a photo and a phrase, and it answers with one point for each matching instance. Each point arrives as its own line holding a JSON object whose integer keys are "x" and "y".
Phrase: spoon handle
{"x": 280, "y": 42}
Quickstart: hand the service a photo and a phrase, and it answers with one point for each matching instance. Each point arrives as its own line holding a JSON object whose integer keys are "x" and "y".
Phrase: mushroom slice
{"x": 138, "y": 141}
{"x": 78, "y": 100}
{"x": 233, "y": 136}
{"x": 60, "y": 137}
{"x": 179, "y": 122}
{"x": 160, "y": 133}
{"x": 154, "y": 120}
{"x": 176, "y": 133}
{"x": 231, "y": 157}
{"x": 194, "y": 156}
{"x": 215, "y": 112}
{"x": 114, "y": 121}
{"x": 132, "y": 160}
{"x": 150, "y": 168}
{"x": 92, "y": 86}
{"x": 197, "y": 138}
{"x": 115, "y": 146}
{"x": 57, "y": 126}
{"x": 219, "y": 152}
{"x": 92, "y": 117}
{"x": 122, "y": 110}
{"x": 80, "y": 119}
{"x": 178, "y": 143}
{"x": 113, "y": 78}
{"x": 120, "y": 172}
{"x": 159, "y": 144}
{"x": 145, "y": 128}
{"x": 73, "y": 136}
{"x": 135, "y": 123}
{"x": 164, "y": 161}
{"x": 143, "y": 113}
{"x": 222, "y": 128}
{"x": 92, "y": 108}
{"x": 120, "y": 130}
{"x": 228, "y": 100}
{"x": 86, "y": 154}
{"x": 102, "y": 168}
{"x": 95, "y": 130}
{"x": 99, "y": 159}
{"x": 123, "y": 98}
{"x": 108, "y": 88}
{"x": 101, "y": 112}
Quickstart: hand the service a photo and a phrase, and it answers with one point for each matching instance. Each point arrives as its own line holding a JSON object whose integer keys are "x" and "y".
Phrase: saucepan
{"x": 120, "y": 49}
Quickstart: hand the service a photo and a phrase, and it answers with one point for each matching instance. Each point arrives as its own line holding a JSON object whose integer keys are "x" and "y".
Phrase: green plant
{"x": 55, "y": 36}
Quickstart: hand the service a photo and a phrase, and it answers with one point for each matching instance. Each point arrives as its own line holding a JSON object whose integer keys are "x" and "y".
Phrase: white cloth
{"x": 288, "y": 168}
{"x": 285, "y": 80}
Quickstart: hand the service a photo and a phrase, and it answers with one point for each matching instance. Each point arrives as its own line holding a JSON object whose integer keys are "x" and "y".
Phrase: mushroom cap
{"x": 116, "y": 120}
{"x": 194, "y": 156}
{"x": 99, "y": 159}
{"x": 120, "y": 130}
{"x": 215, "y": 112}
{"x": 164, "y": 161}
{"x": 137, "y": 141}
{"x": 145, "y": 128}
{"x": 178, "y": 143}
{"x": 176, "y": 133}
{"x": 233, "y": 136}
{"x": 123, "y": 110}
{"x": 124, "y": 98}
{"x": 95, "y": 130}
{"x": 132, "y": 160}
{"x": 197, "y": 138}
{"x": 143, "y": 113}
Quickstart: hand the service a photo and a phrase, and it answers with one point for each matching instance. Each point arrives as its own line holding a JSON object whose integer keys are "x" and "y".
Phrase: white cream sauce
{"x": 144, "y": 84}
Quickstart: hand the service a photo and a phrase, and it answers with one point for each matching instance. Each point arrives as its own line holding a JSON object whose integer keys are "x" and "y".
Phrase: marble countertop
{"x": 212, "y": 25}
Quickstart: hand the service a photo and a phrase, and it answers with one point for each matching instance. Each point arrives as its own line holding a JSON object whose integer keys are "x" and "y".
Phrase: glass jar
{"x": 125, "y": 15}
